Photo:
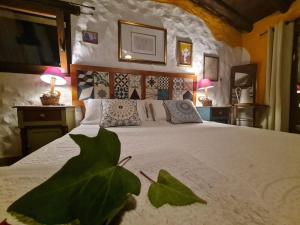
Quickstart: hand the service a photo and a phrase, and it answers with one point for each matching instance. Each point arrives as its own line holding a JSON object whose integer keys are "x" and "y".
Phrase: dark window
{"x": 28, "y": 39}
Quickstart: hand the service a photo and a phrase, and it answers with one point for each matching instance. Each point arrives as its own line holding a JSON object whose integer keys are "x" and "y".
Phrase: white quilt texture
{"x": 248, "y": 176}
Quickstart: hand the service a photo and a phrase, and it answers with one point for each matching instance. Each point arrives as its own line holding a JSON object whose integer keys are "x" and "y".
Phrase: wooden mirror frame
{"x": 55, "y": 9}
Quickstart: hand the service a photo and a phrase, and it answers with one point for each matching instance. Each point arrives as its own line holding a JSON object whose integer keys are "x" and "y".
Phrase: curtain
{"x": 278, "y": 76}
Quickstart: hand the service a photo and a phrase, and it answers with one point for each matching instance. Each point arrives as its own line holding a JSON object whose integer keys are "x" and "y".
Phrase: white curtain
{"x": 278, "y": 77}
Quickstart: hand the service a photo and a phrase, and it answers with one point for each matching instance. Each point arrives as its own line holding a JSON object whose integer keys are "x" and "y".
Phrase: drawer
{"x": 220, "y": 113}
{"x": 42, "y": 115}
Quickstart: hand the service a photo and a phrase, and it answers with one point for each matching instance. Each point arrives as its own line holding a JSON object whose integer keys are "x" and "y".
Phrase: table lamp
{"x": 298, "y": 89}
{"x": 52, "y": 76}
{"x": 205, "y": 84}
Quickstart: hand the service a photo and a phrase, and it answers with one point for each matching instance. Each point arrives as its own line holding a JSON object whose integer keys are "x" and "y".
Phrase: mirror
{"x": 243, "y": 84}
{"x": 242, "y": 79}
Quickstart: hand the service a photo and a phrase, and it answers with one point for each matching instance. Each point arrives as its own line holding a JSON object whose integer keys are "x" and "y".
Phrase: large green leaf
{"x": 169, "y": 190}
{"x": 90, "y": 187}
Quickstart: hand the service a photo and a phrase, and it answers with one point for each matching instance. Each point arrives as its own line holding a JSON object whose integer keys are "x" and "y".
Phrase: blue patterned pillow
{"x": 182, "y": 111}
{"x": 117, "y": 112}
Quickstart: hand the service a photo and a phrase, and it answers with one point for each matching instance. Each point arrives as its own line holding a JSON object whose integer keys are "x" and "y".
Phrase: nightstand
{"x": 220, "y": 114}
{"x": 42, "y": 124}
{"x": 246, "y": 114}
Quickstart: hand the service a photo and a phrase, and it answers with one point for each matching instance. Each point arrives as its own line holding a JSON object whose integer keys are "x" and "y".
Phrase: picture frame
{"x": 90, "y": 37}
{"x": 184, "y": 53}
{"x": 140, "y": 43}
{"x": 211, "y": 67}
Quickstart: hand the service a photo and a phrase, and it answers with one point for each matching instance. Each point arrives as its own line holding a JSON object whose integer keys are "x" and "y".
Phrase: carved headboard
{"x": 106, "y": 82}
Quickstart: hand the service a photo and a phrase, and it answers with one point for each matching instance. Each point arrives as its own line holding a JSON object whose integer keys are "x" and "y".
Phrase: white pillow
{"x": 159, "y": 111}
{"x": 141, "y": 108}
{"x": 93, "y": 111}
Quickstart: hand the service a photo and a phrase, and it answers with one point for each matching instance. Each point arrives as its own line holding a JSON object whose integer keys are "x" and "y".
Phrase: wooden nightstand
{"x": 220, "y": 114}
{"x": 42, "y": 124}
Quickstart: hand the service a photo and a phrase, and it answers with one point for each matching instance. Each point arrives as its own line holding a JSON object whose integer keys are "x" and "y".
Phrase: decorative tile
{"x": 101, "y": 85}
{"x": 188, "y": 88}
{"x": 188, "y": 84}
{"x": 163, "y": 83}
{"x": 121, "y": 86}
{"x": 85, "y": 88}
{"x": 188, "y": 95}
{"x": 163, "y": 94}
{"x": 93, "y": 84}
{"x": 177, "y": 94}
{"x": 151, "y": 82}
{"x": 135, "y": 87}
{"x": 178, "y": 84}
{"x": 85, "y": 93}
{"x": 178, "y": 88}
{"x": 151, "y": 93}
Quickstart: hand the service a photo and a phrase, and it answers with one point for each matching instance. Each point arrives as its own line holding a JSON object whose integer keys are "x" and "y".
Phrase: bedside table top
{"x": 43, "y": 106}
{"x": 224, "y": 106}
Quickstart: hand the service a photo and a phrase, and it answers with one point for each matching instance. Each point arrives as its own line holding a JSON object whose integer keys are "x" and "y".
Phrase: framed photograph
{"x": 90, "y": 37}
{"x": 142, "y": 43}
{"x": 184, "y": 53}
{"x": 211, "y": 67}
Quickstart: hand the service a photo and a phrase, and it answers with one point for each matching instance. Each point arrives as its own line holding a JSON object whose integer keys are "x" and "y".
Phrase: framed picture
{"x": 90, "y": 37}
{"x": 184, "y": 53}
{"x": 142, "y": 43}
{"x": 211, "y": 67}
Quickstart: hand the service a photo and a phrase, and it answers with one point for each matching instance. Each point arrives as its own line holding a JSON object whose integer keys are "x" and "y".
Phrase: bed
{"x": 247, "y": 176}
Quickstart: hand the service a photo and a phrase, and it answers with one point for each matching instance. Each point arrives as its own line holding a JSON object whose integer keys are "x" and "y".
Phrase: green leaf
{"x": 169, "y": 190}
{"x": 90, "y": 187}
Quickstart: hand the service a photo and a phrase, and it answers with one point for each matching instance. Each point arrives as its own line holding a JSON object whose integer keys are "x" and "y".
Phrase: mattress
{"x": 248, "y": 176}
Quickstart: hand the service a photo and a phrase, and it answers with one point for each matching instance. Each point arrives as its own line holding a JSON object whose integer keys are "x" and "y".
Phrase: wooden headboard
{"x": 107, "y": 82}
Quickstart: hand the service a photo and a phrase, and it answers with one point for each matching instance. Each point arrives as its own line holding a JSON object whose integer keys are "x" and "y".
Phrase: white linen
{"x": 141, "y": 108}
{"x": 248, "y": 176}
{"x": 159, "y": 111}
{"x": 93, "y": 112}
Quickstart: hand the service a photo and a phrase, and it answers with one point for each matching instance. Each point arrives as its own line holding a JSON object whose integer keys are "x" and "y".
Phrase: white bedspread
{"x": 248, "y": 176}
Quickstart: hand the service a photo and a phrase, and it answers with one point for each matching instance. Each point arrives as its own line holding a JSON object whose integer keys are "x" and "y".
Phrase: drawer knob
{"x": 42, "y": 115}
{"x": 220, "y": 112}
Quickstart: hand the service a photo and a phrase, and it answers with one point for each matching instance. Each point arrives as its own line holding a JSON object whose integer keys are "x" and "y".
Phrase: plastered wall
{"x": 20, "y": 89}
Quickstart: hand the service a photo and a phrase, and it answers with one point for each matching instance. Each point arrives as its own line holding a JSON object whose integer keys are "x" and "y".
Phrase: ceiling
{"x": 242, "y": 14}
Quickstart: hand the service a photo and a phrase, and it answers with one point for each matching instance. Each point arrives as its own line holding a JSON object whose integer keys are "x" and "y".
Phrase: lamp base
{"x": 50, "y": 98}
{"x": 205, "y": 101}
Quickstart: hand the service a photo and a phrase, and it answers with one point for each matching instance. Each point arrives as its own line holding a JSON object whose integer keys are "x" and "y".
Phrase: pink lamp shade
{"x": 205, "y": 83}
{"x": 53, "y": 72}
{"x": 298, "y": 89}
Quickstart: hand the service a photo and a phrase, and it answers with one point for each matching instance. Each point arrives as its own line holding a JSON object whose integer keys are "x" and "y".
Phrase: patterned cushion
{"x": 117, "y": 112}
{"x": 182, "y": 111}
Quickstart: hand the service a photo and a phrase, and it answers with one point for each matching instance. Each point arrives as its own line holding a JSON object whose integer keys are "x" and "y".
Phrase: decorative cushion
{"x": 119, "y": 112}
{"x": 182, "y": 111}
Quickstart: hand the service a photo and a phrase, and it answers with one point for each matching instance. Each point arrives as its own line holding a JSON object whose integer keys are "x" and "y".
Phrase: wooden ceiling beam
{"x": 282, "y": 5}
{"x": 46, "y": 4}
{"x": 227, "y": 13}
{"x": 65, "y": 6}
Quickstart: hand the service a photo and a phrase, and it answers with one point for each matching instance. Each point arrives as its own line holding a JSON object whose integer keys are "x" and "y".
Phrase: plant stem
{"x": 145, "y": 175}
{"x": 124, "y": 161}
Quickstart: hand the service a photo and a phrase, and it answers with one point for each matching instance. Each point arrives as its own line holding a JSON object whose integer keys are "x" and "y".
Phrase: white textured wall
{"x": 179, "y": 24}
{"x": 18, "y": 89}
